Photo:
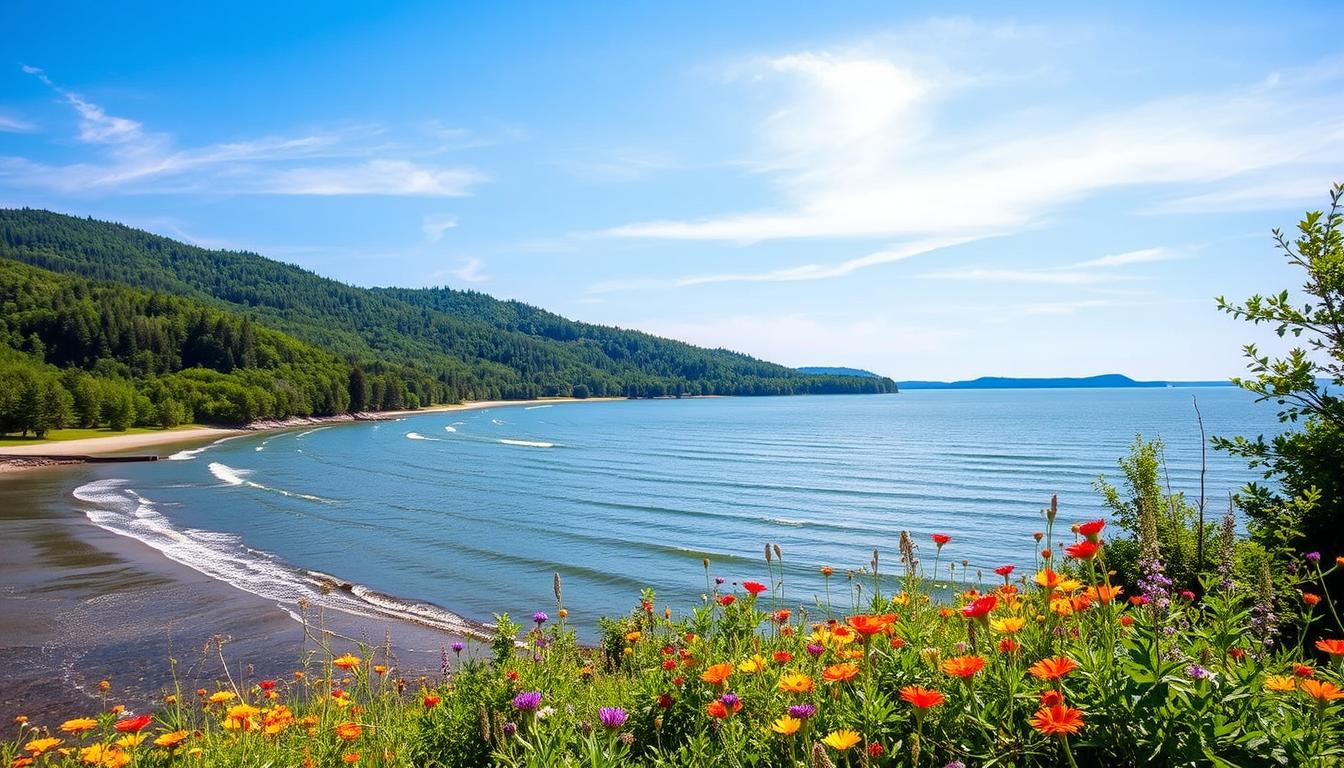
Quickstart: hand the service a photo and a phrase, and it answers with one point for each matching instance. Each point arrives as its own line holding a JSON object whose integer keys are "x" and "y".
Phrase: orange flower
{"x": 79, "y": 725}
{"x": 346, "y": 662}
{"x": 1102, "y": 593}
{"x": 1321, "y": 691}
{"x": 350, "y": 757}
{"x": 718, "y": 710}
{"x": 840, "y": 673}
{"x": 1053, "y": 669}
{"x": 921, "y": 698}
{"x": 717, "y": 674}
{"x": 1332, "y": 647}
{"x": 870, "y": 625}
{"x": 795, "y": 682}
{"x": 827, "y": 570}
{"x": 1310, "y": 599}
{"x": 348, "y": 731}
{"x": 39, "y": 746}
{"x": 1058, "y": 720}
{"x": 964, "y": 667}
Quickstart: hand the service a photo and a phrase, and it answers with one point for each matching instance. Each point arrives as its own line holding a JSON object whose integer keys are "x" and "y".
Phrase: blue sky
{"x": 926, "y": 191}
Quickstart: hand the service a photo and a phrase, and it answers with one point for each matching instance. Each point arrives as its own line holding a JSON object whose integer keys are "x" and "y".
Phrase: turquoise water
{"x": 462, "y": 514}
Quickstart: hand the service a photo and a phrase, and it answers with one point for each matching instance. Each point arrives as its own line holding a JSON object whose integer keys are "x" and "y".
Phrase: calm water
{"x": 473, "y": 511}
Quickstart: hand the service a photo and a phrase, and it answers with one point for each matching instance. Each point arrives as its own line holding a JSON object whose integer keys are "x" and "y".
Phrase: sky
{"x": 927, "y": 191}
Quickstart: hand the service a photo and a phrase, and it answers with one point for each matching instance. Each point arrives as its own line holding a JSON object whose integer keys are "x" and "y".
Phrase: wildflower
{"x": 346, "y": 662}
{"x": 827, "y": 570}
{"x": 815, "y": 649}
{"x": 104, "y": 755}
{"x": 1091, "y": 529}
{"x": 540, "y": 618}
{"x": 79, "y": 725}
{"x": 786, "y": 725}
{"x": 754, "y": 587}
{"x": 348, "y": 731}
{"x": 841, "y": 740}
{"x": 717, "y": 674}
{"x": 802, "y": 711}
{"x": 1196, "y": 672}
{"x": 1051, "y": 698}
{"x": 132, "y": 724}
{"x": 870, "y": 625}
{"x": 1038, "y": 536}
{"x": 664, "y": 701}
{"x": 1302, "y": 670}
{"x": 719, "y": 710}
{"x": 267, "y": 685}
{"x": 1103, "y": 593}
{"x": 875, "y": 749}
{"x": 782, "y": 657}
{"x": 1083, "y": 550}
{"x": 1004, "y": 570}
{"x": 240, "y": 717}
{"x": 1322, "y": 691}
{"x": 840, "y": 673}
{"x": 1009, "y": 645}
{"x": 921, "y": 698}
{"x": 1332, "y": 646}
{"x": 964, "y": 667}
{"x": 379, "y": 669}
{"x": 131, "y": 740}
{"x": 612, "y": 717}
{"x": 1046, "y": 554}
{"x": 1340, "y": 561}
{"x": 1313, "y": 557}
{"x": 939, "y": 539}
{"x": 1008, "y": 625}
{"x": 1280, "y": 683}
{"x": 1058, "y": 720}
{"x": 430, "y": 701}
{"x": 39, "y": 746}
{"x": 1053, "y": 669}
{"x": 726, "y": 600}
{"x": 753, "y": 665}
{"x": 527, "y": 701}
{"x": 980, "y": 607}
{"x": 350, "y": 757}
{"x": 633, "y": 637}
{"x": 795, "y": 682}
{"x": 457, "y": 646}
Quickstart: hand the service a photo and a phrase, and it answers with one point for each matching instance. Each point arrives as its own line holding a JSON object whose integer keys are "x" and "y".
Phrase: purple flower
{"x": 802, "y": 711}
{"x": 1313, "y": 557}
{"x": 730, "y": 700}
{"x": 510, "y": 729}
{"x": 612, "y": 717}
{"x": 955, "y": 764}
{"x": 815, "y": 650}
{"x": 458, "y": 646}
{"x": 527, "y": 701}
{"x": 718, "y": 580}
{"x": 1196, "y": 672}
{"x": 540, "y": 617}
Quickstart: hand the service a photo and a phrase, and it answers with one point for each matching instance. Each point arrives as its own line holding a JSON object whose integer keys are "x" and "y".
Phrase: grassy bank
{"x": 1049, "y": 666}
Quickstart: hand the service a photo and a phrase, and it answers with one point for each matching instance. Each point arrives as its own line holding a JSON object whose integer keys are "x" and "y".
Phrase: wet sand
{"x": 79, "y": 604}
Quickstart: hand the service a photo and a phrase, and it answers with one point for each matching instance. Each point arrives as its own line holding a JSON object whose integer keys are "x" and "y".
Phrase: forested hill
{"x": 428, "y": 346}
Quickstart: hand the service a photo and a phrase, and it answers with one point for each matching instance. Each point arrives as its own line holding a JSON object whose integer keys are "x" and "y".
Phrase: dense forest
{"x": 97, "y": 314}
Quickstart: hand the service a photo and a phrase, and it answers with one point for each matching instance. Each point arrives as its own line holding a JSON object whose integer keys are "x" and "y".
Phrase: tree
{"x": 1306, "y": 510}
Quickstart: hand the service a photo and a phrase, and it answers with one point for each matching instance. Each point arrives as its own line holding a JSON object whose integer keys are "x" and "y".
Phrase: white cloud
{"x": 10, "y": 124}
{"x": 1141, "y": 256}
{"x": 469, "y": 271}
{"x": 129, "y": 158}
{"x": 871, "y": 143}
{"x": 822, "y": 271}
{"x": 434, "y": 225}
{"x": 1044, "y": 276}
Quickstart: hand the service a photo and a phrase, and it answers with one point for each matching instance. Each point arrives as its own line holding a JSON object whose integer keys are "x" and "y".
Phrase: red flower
{"x": 431, "y": 702}
{"x": 1302, "y": 670}
{"x": 726, "y": 599}
{"x": 664, "y": 700}
{"x": 133, "y": 724}
{"x": 266, "y": 685}
{"x": 1004, "y": 570}
{"x": 1084, "y": 550}
{"x": 1138, "y": 600}
{"x": 940, "y": 539}
{"x": 783, "y": 657}
{"x": 754, "y": 587}
{"x": 921, "y": 698}
{"x": 669, "y": 664}
{"x": 980, "y": 607}
{"x": 871, "y": 625}
{"x": 1332, "y": 646}
{"x": 1009, "y": 645}
{"x": 1092, "y": 528}
{"x": 875, "y": 749}
{"x": 1051, "y": 698}
{"x": 897, "y": 643}
{"x": 1127, "y": 620}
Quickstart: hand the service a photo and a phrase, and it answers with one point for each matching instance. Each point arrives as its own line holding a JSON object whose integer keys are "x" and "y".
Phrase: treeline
{"x": 78, "y": 353}
{"x": 441, "y": 345}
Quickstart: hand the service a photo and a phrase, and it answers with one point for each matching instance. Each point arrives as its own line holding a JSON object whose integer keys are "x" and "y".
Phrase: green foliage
{"x": 413, "y": 347}
{"x": 1302, "y": 506}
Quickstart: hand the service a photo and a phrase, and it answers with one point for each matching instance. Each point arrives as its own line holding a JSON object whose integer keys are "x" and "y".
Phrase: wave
{"x": 418, "y": 436}
{"x": 450, "y": 429}
{"x": 302, "y": 435}
{"x": 528, "y": 443}
{"x": 230, "y": 476}
{"x": 496, "y": 421}
{"x": 786, "y": 521}
{"x": 535, "y": 407}
{"x": 224, "y": 556}
{"x": 192, "y": 453}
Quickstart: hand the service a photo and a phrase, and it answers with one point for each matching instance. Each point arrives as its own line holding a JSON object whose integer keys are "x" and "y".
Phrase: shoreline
{"x": 55, "y": 453}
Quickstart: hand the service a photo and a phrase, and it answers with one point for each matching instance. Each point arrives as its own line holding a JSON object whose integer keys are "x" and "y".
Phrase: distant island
{"x": 818, "y": 370}
{"x": 1104, "y": 381}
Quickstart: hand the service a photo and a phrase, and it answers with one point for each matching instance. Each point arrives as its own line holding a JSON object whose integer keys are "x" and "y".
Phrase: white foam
{"x": 418, "y": 436}
{"x": 223, "y": 556}
{"x": 786, "y": 521}
{"x": 535, "y": 407}
{"x": 528, "y": 443}
{"x": 496, "y": 421}
{"x": 302, "y": 435}
{"x": 450, "y": 429}
{"x": 192, "y": 453}
{"x": 230, "y": 476}
{"x": 227, "y": 474}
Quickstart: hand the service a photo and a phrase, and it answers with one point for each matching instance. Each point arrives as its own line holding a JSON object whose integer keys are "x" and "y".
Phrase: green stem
{"x": 1068, "y": 753}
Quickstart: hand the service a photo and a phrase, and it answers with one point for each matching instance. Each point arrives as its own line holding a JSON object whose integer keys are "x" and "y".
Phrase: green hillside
{"x": 396, "y": 348}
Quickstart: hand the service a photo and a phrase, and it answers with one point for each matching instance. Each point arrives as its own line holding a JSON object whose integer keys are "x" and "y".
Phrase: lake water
{"x": 462, "y": 514}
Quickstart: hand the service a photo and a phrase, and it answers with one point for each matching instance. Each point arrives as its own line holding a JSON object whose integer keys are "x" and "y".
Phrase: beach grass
{"x": 64, "y": 435}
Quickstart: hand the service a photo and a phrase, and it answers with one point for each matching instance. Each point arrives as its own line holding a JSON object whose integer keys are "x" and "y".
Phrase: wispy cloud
{"x": 469, "y": 271}
{"x": 1099, "y": 270}
{"x": 823, "y": 271}
{"x": 867, "y": 142}
{"x": 128, "y": 158}
{"x": 11, "y": 124}
{"x": 434, "y": 225}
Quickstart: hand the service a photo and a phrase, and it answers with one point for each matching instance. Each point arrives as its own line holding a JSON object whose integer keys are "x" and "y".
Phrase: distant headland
{"x": 1104, "y": 381}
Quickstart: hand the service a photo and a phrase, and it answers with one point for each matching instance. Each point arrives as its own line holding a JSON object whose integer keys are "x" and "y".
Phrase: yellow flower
{"x": 219, "y": 697}
{"x": 171, "y": 739}
{"x": 1008, "y": 625}
{"x": 633, "y": 637}
{"x": 1280, "y": 683}
{"x": 131, "y": 740}
{"x": 104, "y": 755}
{"x": 795, "y": 682}
{"x": 79, "y": 725}
{"x": 753, "y": 665}
{"x": 841, "y": 740}
{"x": 240, "y": 717}
{"x": 786, "y": 726}
{"x": 38, "y": 746}
{"x": 1062, "y": 606}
